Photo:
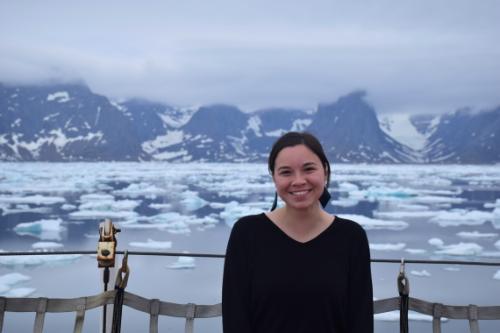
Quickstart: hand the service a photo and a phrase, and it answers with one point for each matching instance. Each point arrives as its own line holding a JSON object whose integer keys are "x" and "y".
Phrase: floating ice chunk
{"x": 385, "y": 193}
{"x": 68, "y": 207}
{"x": 403, "y": 214}
{"x": 497, "y": 275}
{"x": 37, "y": 260}
{"x": 20, "y": 292}
{"x": 422, "y": 273}
{"x": 416, "y": 251}
{"x": 460, "y": 249}
{"x": 452, "y": 269}
{"x": 161, "y": 206}
{"x": 476, "y": 234}
{"x": 490, "y": 254}
{"x": 344, "y": 202}
{"x": 234, "y": 210}
{"x": 96, "y": 197}
{"x": 183, "y": 262}
{"x": 370, "y": 223}
{"x": 495, "y": 204}
{"x": 12, "y": 279}
{"x": 103, "y": 214}
{"x": 173, "y": 222}
{"x": 412, "y": 315}
{"x": 152, "y": 244}
{"x": 31, "y": 199}
{"x": 436, "y": 242}
{"x": 24, "y": 208}
{"x": 46, "y": 245}
{"x": 191, "y": 201}
{"x": 347, "y": 187}
{"x": 457, "y": 217}
{"x": 437, "y": 200}
{"x": 42, "y": 229}
{"x": 387, "y": 246}
{"x": 112, "y": 205}
{"x": 497, "y": 244}
{"x": 141, "y": 190}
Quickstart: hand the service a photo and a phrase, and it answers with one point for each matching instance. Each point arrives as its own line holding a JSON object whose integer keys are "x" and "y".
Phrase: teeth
{"x": 299, "y": 193}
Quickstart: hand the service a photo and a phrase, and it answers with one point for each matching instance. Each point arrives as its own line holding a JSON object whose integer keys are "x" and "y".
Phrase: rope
{"x": 214, "y": 255}
{"x": 120, "y": 285}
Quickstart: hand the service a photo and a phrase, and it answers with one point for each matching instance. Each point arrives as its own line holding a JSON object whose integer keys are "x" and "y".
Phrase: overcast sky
{"x": 422, "y": 56}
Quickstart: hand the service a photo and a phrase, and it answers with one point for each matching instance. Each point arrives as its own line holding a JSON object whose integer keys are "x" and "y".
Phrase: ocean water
{"x": 447, "y": 212}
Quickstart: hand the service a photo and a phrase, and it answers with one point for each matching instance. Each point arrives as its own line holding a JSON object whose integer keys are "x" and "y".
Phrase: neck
{"x": 304, "y": 218}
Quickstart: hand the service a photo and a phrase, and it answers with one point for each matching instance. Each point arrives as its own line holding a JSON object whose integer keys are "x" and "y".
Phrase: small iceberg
{"x": 183, "y": 262}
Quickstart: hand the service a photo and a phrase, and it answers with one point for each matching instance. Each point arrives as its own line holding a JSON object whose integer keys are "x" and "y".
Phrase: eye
{"x": 284, "y": 173}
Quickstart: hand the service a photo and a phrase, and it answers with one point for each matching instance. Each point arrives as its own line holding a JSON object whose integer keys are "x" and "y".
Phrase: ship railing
{"x": 190, "y": 311}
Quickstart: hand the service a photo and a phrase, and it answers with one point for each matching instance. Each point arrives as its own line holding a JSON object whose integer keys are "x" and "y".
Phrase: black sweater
{"x": 275, "y": 284}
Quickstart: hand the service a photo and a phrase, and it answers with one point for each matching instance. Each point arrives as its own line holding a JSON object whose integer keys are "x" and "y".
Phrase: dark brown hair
{"x": 291, "y": 139}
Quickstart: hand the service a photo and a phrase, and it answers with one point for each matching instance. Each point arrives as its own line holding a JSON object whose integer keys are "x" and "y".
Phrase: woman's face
{"x": 299, "y": 177}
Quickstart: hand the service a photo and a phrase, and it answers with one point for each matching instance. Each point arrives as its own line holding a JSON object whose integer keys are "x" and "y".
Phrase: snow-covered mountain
{"x": 71, "y": 123}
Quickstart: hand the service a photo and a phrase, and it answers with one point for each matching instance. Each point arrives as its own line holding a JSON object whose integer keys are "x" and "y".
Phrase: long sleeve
{"x": 236, "y": 282}
{"x": 360, "y": 308}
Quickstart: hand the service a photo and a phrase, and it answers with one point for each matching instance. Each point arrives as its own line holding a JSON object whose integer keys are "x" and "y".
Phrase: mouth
{"x": 299, "y": 193}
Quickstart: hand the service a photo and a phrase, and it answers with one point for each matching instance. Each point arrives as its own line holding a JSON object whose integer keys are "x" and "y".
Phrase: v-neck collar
{"x": 295, "y": 240}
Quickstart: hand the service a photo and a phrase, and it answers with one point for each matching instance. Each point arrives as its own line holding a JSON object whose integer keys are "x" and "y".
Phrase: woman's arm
{"x": 236, "y": 282}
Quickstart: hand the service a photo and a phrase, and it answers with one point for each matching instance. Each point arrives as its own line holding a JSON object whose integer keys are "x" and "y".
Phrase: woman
{"x": 297, "y": 268}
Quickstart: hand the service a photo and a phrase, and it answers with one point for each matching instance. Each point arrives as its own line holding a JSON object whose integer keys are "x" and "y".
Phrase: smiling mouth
{"x": 298, "y": 193}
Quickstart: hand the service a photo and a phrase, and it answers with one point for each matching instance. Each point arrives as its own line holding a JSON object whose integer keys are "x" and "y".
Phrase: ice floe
{"x": 422, "y": 273}
{"x": 183, "y": 262}
{"x": 394, "y": 215}
{"x": 234, "y": 210}
{"x": 31, "y": 199}
{"x": 23, "y": 208}
{"x": 387, "y": 246}
{"x": 497, "y": 275}
{"x": 8, "y": 281}
{"x": 20, "y": 292}
{"x": 38, "y": 260}
{"x": 460, "y": 249}
{"x": 456, "y": 217}
{"x": 146, "y": 190}
{"x": 495, "y": 204}
{"x": 476, "y": 234}
{"x": 371, "y": 223}
{"x": 416, "y": 251}
{"x": 42, "y": 229}
{"x": 46, "y": 245}
{"x": 152, "y": 244}
{"x": 191, "y": 201}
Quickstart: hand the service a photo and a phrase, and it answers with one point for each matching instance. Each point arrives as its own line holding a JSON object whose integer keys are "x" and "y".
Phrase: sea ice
{"x": 46, "y": 245}
{"x": 23, "y": 208}
{"x": 183, "y": 262}
{"x": 422, "y": 273}
{"x": 403, "y": 214}
{"x": 497, "y": 275}
{"x": 495, "y": 204}
{"x": 141, "y": 190}
{"x": 344, "y": 202}
{"x": 152, "y": 244}
{"x": 31, "y": 199}
{"x": 370, "y": 223}
{"x": 416, "y": 251}
{"x": 12, "y": 279}
{"x": 460, "y": 249}
{"x": 37, "y": 260}
{"x": 458, "y": 216}
{"x": 476, "y": 234}
{"x": 42, "y": 229}
{"x": 387, "y": 247}
{"x": 234, "y": 210}
{"x": 20, "y": 292}
{"x": 191, "y": 201}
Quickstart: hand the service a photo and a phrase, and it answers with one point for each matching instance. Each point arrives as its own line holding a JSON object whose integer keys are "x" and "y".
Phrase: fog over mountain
{"x": 69, "y": 122}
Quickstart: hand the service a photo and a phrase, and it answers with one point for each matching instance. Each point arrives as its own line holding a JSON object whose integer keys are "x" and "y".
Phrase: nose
{"x": 298, "y": 179}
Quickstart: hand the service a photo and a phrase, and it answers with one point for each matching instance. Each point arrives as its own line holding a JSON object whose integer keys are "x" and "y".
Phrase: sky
{"x": 426, "y": 56}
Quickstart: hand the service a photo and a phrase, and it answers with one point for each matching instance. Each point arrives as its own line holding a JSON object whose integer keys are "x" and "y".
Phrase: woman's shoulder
{"x": 349, "y": 225}
{"x": 249, "y": 222}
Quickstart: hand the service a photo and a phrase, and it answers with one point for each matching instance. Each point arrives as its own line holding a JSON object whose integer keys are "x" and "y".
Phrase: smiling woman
{"x": 298, "y": 268}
